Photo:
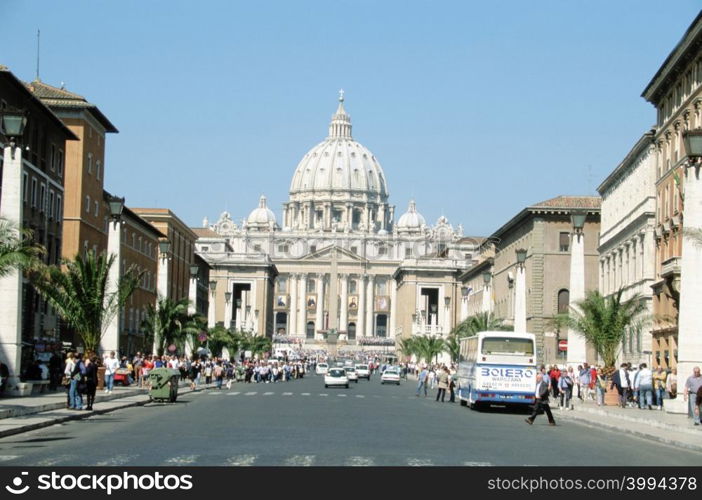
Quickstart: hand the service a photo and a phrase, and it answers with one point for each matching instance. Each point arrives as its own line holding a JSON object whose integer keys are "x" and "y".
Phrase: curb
{"x": 81, "y": 415}
{"x": 642, "y": 434}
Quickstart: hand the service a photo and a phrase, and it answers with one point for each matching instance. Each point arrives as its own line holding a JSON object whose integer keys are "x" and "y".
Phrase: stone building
{"x": 544, "y": 230}
{"x": 338, "y": 260}
{"x": 627, "y": 246}
{"x": 676, "y": 92}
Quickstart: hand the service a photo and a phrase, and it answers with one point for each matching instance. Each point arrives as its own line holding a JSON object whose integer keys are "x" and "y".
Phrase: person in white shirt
{"x": 111, "y": 366}
{"x": 644, "y": 382}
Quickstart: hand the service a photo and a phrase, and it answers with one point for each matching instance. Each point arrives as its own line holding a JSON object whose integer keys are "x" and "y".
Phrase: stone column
{"x": 161, "y": 287}
{"x": 344, "y": 314}
{"x": 487, "y": 298}
{"x": 361, "y": 316}
{"x": 211, "y": 318}
{"x": 292, "y": 317}
{"x": 110, "y": 340}
{"x": 319, "y": 316}
{"x": 302, "y": 301}
{"x": 370, "y": 306}
{"x": 228, "y": 312}
{"x": 393, "y": 306}
{"x": 576, "y": 341}
{"x": 11, "y": 284}
{"x": 520, "y": 321}
{"x": 689, "y": 338}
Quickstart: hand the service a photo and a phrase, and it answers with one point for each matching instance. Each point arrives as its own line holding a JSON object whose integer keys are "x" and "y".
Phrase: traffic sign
{"x": 562, "y": 345}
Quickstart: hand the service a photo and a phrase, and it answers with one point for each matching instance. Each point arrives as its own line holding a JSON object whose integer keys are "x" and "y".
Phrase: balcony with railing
{"x": 670, "y": 268}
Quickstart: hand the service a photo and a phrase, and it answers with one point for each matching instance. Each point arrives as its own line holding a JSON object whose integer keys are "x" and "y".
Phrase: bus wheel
{"x": 464, "y": 402}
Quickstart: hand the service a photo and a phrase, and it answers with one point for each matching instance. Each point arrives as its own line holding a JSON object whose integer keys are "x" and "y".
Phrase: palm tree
{"x": 79, "y": 293}
{"x": 603, "y": 321}
{"x": 219, "y": 338}
{"x": 17, "y": 251}
{"x": 257, "y": 344}
{"x": 480, "y": 322}
{"x": 408, "y": 346}
{"x": 452, "y": 345}
{"x": 429, "y": 347}
{"x": 164, "y": 323}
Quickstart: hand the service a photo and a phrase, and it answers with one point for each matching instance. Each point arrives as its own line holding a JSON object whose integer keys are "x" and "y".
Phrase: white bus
{"x": 497, "y": 368}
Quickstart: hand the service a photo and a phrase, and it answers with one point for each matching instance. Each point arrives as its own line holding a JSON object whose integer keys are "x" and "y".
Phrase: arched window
{"x": 563, "y": 301}
{"x": 311, "y": 286}
{"x": 381, "y": 325}
{"x": 310, "y": 330}
{"x": 352, "y": 286}
{"x": 351, "y": 333}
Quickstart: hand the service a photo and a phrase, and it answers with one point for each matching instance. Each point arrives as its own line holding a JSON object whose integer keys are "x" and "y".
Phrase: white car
{"x": 322, "y": 368}
{"x": 336, "y": 376}
{"x": 351, "y": 374}
{"x": 391, "y": 376}
{"x": 363, "y": 371}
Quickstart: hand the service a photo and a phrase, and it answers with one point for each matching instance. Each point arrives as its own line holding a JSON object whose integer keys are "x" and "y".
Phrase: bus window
{"x": 506, "y": 345}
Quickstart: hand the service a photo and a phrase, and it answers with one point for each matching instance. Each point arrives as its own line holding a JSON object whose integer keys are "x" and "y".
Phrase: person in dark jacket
{"x": 91, "y": 380}
{"x": 541, "y": 402}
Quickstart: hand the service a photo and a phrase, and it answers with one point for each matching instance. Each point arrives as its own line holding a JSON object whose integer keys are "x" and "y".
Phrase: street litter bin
{"x": 164, "y": 384}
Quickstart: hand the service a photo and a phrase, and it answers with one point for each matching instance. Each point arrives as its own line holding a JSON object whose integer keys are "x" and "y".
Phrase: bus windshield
{"x": 508, "y": 346}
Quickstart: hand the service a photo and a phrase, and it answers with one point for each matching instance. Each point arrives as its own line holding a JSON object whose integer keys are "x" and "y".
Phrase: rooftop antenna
{"x": 590, "y": 179}
{"x": 38, "y": 46}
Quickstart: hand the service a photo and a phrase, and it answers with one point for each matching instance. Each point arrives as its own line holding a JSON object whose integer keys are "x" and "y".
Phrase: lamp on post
{"x": 577, "y": 346}
{"x": 213, "y": 286}
{"x": 211, "y": 305}
{"x": 577, "y": 218}
{"x": 110, "y": 341}
{"x": 520, "y": 324}
{"x": 487, "y": 295}
{"x": 192, "y": 290}
{"x": 12, "y": 125}
{"x": 228, "y": 309}
{"x": 447, "y": 301}
{"x": 689, "y": 348}
{"x": 116, "y": 208}
{"x": 521, "y": 256}
{"x": 194, "y": 270}
{"x": 487, "y": 276}
{"x": 164, "y": 246}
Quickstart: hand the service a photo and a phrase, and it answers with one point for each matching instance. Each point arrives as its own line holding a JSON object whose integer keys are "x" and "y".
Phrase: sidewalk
{"x": 672, "y": 429}
{"x": 22, "y": 414}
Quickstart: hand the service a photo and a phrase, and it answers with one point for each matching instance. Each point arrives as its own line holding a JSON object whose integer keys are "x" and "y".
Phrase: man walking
{"x": 541, "y": 401}
{"x": 422, "y": 381}
{"x": 111, "y": 365}
{"x": 692, "y": 385}
{"x": 622, "y": 382}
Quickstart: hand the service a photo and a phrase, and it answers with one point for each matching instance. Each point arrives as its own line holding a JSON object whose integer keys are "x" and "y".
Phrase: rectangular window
{"x": 90, "y": 163}
{"x": 354, "y": 250}
{"x": 257, "y": 248}
{"x": 59, "y": 166}
{"x": 42, "y": 198}
{"x": 313, "y": 248}
{"x": 408, "y": 253}
{"x": 87, "y": 203}
{"x": 25, "y": 187}
{"x": 51, "y": 204}
{"x": 564, "y": 242}
{"x": 59, "y": 207}
{"x": 97, "y": 208}
{"x": 98, "y": 165}
{"x": 52, "y": 158}
{"x": 382, "y": 250}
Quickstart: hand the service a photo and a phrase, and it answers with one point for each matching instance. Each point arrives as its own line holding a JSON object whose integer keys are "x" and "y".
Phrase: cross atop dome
{"x": 341, "y": 95}
{"x": 340, "y": 126}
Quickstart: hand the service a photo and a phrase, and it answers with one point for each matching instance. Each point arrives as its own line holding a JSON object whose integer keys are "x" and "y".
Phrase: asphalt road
{"x": 301, "y": 423}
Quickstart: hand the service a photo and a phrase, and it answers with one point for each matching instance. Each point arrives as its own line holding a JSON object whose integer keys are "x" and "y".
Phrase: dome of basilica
{"x": 261, "y": 216}
{"x": 411, "y": 219}
{"x": 340, "y": 165}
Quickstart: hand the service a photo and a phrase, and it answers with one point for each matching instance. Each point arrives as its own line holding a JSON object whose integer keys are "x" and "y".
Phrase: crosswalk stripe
{"x": 418, "y": 462}
{"x": 305, "y": 394}
{"x": 268, "y": 393}
{"x": 477, "y": 464}
{"x": 324, "y": 395}
{"x": 360, "y": 461}
{"x": 233, "y": 393}
{"x": 251, "y": 393}
{"x": 5, "y": 458}
{"x": 55, "y": 460}
{"x": 360, "y": 396}
{"x": 287, "y": 394}
{"x": 182, "y": 459}
{"x": 117, "y": 460}
{"x": 341, "y": 395}
{"x": 300, "y": 460}
{"x": 242, "y": 461}
{"x": 214, "y": 393}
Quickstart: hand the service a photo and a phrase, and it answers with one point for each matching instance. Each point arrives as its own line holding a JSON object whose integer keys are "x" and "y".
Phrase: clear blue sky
{"x": 475, "y": 109}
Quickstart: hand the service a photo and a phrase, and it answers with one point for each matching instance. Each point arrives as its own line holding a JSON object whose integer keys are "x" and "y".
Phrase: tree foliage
{"x": 17, "y": 250}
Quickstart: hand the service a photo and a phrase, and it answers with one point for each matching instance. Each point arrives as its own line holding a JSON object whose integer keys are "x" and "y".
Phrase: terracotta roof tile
{"x": 594, "y": 202}
{"x": 204, "y": 232}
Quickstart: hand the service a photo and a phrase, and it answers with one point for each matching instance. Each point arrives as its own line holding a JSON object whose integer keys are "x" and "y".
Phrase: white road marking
{"x": 214, "y": 393}
{"x": 287, "y": 394}
{"x": 251, "y": 393}
{"x": 324, "y": 395}
{"x": 477, "y": 464}
{"x": 268, "y": 393}
{"x": 55, "y": 460}
{"x": 242, "y": 461}
{"x": 5, "y": 458}
{"x": 182, "y": 459}
{"x": 300, "y": 460}
{"x": 341, "y": 395}
{"x": 233, "y": 393}
{"x": 117, "y": 460}
{"x": 360, "y": 396}
{"x": 360, "y": 461}
{"x": 305, "y": 394}
{"x": 418, "y": 462}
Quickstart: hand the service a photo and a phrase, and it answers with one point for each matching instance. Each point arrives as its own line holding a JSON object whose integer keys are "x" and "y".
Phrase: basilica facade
{"x": 338, "y": 262}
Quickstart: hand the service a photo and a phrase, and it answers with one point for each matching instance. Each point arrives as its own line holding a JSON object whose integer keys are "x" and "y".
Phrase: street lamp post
{"x": 487, "y": 292}
{"x": 192, "y": 300}
{"x": 520, "y": 315}
{"x": 164, "y": 247}
{"x": 110, "y": 341}
{"x": 211, "y": 319}
{"x": 12, "y": 123}
{"x": 228, "y": 309}
{"x": 689, "y": 341}
{"x": 577, "y": 353}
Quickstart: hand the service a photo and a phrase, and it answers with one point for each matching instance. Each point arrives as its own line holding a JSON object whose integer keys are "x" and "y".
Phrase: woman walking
{"x": 68, "y": 373}
{"x": 565, "y": 386}
{"x": 443, "y": 384}
{"x": 91, "y": 380}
